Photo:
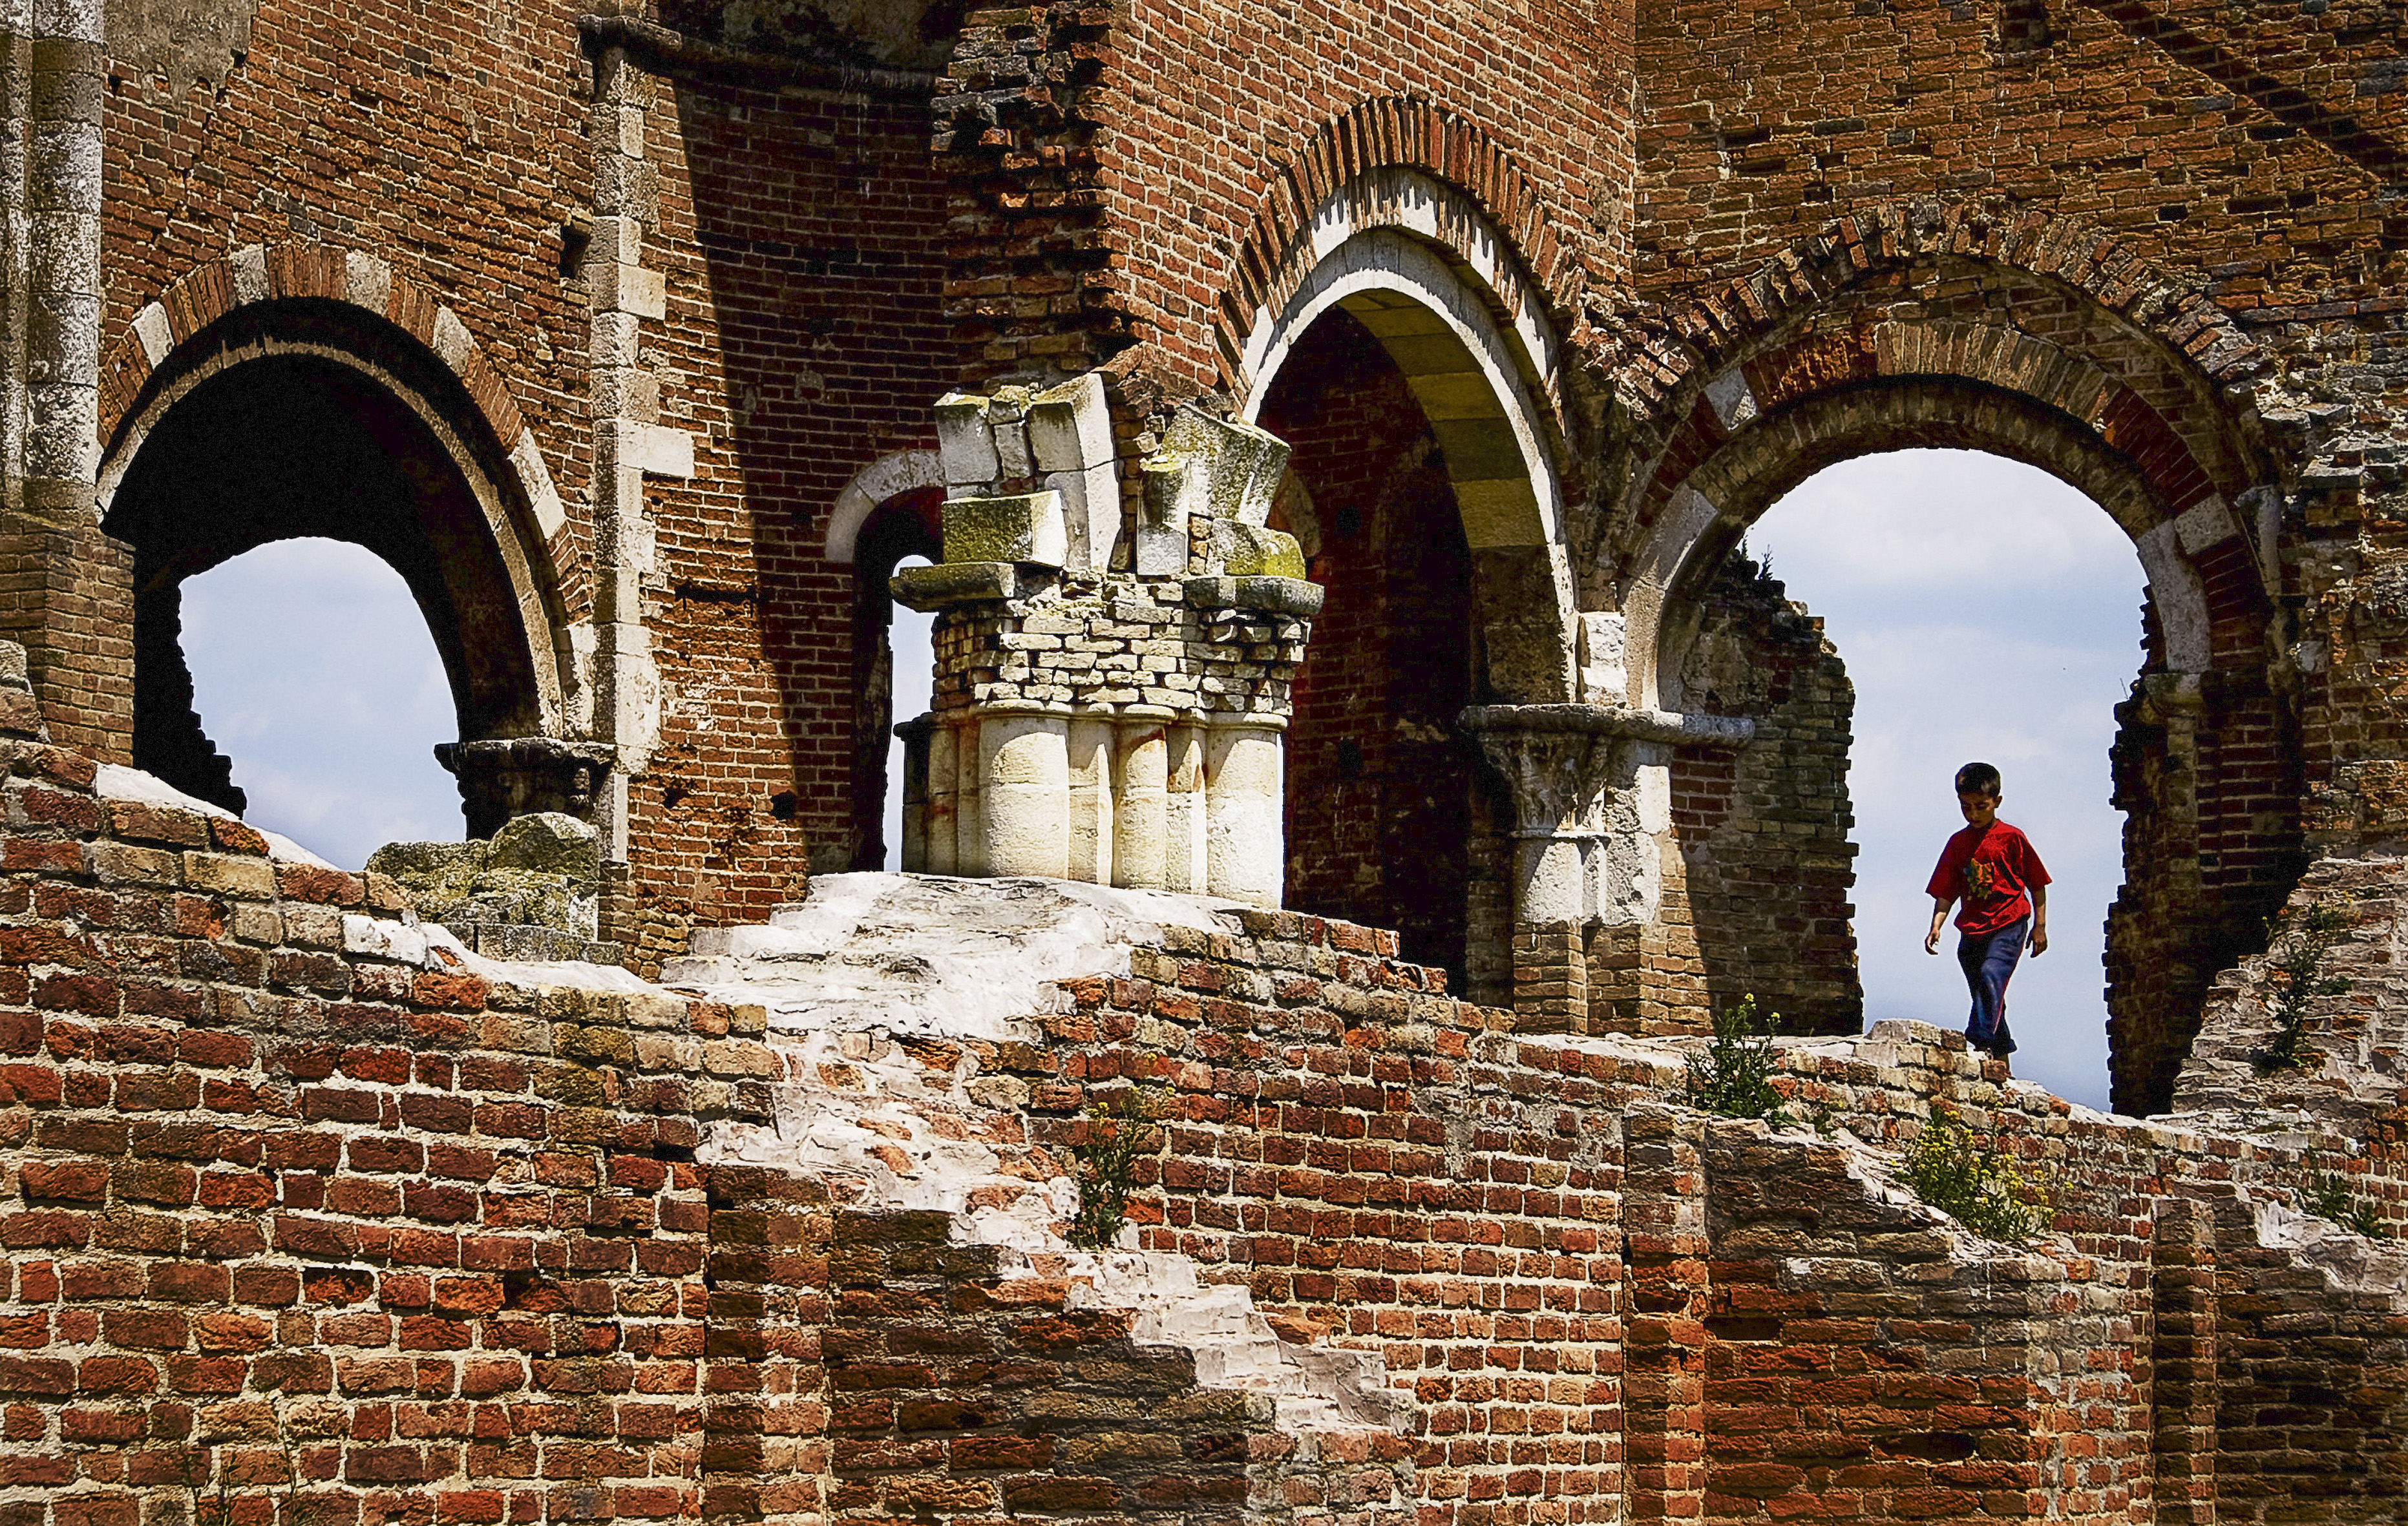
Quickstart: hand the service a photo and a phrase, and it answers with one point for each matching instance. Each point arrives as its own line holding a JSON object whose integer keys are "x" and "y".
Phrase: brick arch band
{"x": 2129, "y": 405}
{"x": 1401, "y": 162}
{"x": 1416, "y": 263}
{"x": 156, "y": 363}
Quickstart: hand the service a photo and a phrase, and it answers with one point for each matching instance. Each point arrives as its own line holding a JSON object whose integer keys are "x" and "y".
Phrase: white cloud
{"x": 313, "y": 671}
{"x": 1984, "y": 610}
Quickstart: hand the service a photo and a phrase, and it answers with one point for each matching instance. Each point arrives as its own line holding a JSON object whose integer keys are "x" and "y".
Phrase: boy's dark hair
{"x": 1977, "y": 778}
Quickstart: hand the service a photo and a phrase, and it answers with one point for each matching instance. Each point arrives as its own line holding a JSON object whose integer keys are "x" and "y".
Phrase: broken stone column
{"x": 533, "y": 891}
{"x": 1592, "y": 799}
{"x": 1112, "y": 686}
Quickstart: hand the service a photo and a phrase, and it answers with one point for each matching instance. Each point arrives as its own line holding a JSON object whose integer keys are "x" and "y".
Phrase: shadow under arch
{"x": 1425, "y": 486}
{"x": 307, "y": 418}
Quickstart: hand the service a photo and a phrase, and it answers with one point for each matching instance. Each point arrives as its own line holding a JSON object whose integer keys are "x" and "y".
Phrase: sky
{"x": 1983, "y": 610}
{"x": 331, "y": 736}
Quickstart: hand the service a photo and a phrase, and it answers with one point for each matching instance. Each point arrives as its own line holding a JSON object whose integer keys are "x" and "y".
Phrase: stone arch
{"x": 888, "y": 478}
{"x": 268, "y": 338}
{"x": 1404, "y": 255}
{"x": 1443, "y": 328}
{"x": 2036, "y": 340}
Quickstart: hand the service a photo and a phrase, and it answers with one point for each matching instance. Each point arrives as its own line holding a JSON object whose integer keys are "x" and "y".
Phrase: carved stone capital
{"x": 523, "y": 775}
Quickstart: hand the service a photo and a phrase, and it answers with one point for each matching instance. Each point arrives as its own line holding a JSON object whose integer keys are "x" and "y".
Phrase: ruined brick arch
{"x": 463, "y": 507}
{"x": 1402, "y": 163}
{"x": 2048, "y": 346}
{"x": 1707, "y": 331}
{"x": 2119, "y": 387}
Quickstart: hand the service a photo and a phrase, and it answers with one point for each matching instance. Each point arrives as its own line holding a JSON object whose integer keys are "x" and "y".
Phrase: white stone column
{"x": 1091, "y": 807}
{"x": 1246, "y": 846}
{"x": 1140, "y": 847}
{"x": 1184, "y": 816}
{"x": 1026, "y": 799}
{"x": 942, "y": 788}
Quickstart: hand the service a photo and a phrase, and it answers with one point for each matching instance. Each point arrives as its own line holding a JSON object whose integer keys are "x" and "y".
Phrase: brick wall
{"x": 801, "y": 232}
{"x": 1606, "y": 1305}
{"x": 305, "y": 1215}
{"x": 476, "y": 1245}
{"x": 1759, "y": 902}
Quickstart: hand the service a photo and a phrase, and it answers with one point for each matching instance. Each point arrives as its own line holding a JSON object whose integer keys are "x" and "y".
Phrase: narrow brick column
{"x": 765, "y": 1411}
{"x": 2182, "y": 1362}
{"x": 1664, "y": 1359}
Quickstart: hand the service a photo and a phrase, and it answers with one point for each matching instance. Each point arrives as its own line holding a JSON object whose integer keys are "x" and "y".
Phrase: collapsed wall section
{"x": 488, "y": 1242}
{"x": 307, "y": 1214}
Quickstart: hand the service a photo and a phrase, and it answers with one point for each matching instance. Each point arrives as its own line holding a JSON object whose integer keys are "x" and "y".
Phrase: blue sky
{"x": 1984, "y": 610}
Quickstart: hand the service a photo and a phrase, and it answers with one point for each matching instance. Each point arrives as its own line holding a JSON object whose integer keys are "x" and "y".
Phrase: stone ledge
{"x": 1290, "y": 596}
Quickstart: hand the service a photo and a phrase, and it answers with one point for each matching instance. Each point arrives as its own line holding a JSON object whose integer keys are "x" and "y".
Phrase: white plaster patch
{"x": 928, "y": 954}
{"x": 250, "y": 264}
{"x": 451, "y": 342}
{"x": 150, "y": 328}
{"x": 367, "y": 281}
{"x": 1731, "y": 398}
{"x": 115, "y": 781}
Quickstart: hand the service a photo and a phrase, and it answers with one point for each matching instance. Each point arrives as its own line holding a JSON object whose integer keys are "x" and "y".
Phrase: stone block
{"x": 965, "y": 443}
{"x": 1070, "y": 426}
{"x": 1245, "y": 551}
{"x": 1026, "y": 528}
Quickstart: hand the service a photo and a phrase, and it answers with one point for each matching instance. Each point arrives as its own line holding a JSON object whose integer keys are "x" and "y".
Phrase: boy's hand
{"x": 1938, "y": 921}
{"x": 2039, "y": 940}
{"x": 1931, "y": 941}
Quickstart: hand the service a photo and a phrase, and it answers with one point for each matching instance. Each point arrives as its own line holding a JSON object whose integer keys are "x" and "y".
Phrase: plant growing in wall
{"x": 1973, "y": 1181}
{"x": 2329, "y": 1196}
{"x": 1120, "y": 1128}
{"x": 2303, "y": 940}
{"x": 1733, "y": 1075}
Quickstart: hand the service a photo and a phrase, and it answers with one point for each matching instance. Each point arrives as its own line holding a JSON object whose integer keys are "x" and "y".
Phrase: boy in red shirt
{"x": 1991, "y": 867}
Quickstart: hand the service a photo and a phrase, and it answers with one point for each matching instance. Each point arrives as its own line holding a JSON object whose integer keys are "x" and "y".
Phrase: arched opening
{"x": 1423, "y": 486}
{"x": 2207, "y": 758}
{"x": 891, "y": 665}
{"x": 1379, "y": 787}
{"x": 331, "y": 738}
{"x": 1984, "y": 610}
{"x": 264, "y": 431}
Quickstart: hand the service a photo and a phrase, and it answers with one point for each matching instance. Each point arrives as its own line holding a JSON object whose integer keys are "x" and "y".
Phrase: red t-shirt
{"x": 1988, "y": 870}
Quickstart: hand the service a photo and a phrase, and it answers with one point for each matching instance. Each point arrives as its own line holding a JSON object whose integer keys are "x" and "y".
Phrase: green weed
{"x": 2300, "y": 979}
{"x": 1120, "y": 1129}
{"x": 1733, "y": 1076}
{"x": 1973, "y": 1181}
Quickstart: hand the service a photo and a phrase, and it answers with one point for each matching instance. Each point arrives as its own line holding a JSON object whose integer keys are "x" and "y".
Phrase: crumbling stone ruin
{"x": 1358, "y": 771}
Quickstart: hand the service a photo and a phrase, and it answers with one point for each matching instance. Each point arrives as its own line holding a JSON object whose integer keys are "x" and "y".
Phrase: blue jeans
{"x": 1989, "y": 960}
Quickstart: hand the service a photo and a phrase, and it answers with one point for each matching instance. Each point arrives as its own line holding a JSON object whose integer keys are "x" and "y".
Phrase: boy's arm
{"x": 2040, "y": 920}
{"x": 1938, "y": 921}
